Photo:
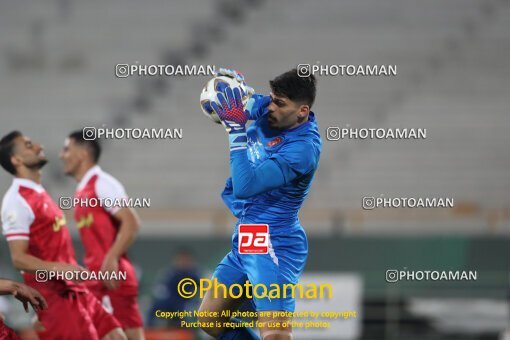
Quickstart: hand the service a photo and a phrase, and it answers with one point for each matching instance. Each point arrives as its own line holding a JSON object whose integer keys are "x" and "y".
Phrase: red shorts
{"x": 75, "y": 316}
{"x": 124, "y": 306}
{"x": 6, "y": 333}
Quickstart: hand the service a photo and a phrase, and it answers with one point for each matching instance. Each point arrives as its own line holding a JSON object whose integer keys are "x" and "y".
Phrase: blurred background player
{"x": 39, "y": 240}
{"x": 272, "y": 164}
{"x": 106, "y": 232}
{"x": 165, "y": 294}
{"x": 26, "y": 295}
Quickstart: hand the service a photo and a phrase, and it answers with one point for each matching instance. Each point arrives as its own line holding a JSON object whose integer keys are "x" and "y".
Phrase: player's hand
{"x": 233, "y": 117}
{"x": 110, "y": 265}
{"x": 28, "y": 295}
{"x": 231, "y": 110}
{"x": 236, "y": 75}
{"x": 256, "y": 104}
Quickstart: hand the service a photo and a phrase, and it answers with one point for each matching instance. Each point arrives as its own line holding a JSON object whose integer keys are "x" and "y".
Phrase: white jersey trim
{"x": 17, "y": 215}
{"x": 107, "y": 186}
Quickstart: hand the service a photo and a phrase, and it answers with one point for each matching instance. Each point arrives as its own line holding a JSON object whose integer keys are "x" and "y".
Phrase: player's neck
{"x": 78, "y": 176}
{"x": 33, "y": 175}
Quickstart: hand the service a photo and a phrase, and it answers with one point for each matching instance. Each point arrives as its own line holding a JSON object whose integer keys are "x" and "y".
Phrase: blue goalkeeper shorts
{"x": 283, "y": 264}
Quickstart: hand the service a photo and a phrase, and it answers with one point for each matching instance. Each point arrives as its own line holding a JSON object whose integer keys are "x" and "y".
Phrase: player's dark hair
{"x": 91, "y": 144}
{"x": 295, "y": 87}
{"x": 7, "y": 149}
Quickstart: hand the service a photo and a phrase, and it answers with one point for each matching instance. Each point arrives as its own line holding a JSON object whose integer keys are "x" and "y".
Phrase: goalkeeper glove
{"x": 257, "y": 104}
{"x": 233, "y": 117}
{"x": 238, "y": 76}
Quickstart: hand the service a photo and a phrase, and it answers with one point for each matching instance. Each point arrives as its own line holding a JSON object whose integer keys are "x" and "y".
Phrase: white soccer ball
{"x": 215, "y": 85}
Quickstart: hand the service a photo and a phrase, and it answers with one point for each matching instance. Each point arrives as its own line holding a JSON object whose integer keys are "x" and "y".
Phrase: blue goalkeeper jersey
{"x": 296, "y": 152}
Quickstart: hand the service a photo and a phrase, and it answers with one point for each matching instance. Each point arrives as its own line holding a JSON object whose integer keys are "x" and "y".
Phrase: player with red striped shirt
{"x": 39, "y": 240}
{"x": 106, "y": 231}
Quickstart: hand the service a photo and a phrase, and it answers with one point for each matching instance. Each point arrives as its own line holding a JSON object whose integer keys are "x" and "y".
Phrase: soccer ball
{"x": 215, "y": 85}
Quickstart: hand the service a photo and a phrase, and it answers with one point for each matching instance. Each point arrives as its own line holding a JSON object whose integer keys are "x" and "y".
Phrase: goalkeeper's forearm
{"x": 248, "y": 181}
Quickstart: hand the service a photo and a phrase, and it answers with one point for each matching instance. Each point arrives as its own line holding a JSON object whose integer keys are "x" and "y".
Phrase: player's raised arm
{"x": 294, "y": 159}
{"x": 246, "y": 180}
{"x": 297, "y": 157}
{"x": 257, "y": 106}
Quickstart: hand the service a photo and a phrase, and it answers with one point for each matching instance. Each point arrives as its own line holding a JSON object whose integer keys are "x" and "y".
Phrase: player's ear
{"x": 15, "y": 161}
{"x": 83, "y": 152}
{"x": 303, "y": 112}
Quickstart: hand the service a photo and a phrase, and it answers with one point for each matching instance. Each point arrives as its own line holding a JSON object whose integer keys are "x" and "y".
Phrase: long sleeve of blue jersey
{"x": 257, "y": 105}
{"x": 293, "y": 160}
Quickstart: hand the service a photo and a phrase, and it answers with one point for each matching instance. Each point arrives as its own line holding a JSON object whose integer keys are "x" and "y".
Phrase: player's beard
{"x": 272, "y": 121}
{"x": 38, "y": 164}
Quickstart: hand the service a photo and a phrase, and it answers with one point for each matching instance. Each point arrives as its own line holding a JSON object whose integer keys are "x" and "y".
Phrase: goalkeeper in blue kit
{"x": 272, "y": 166}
